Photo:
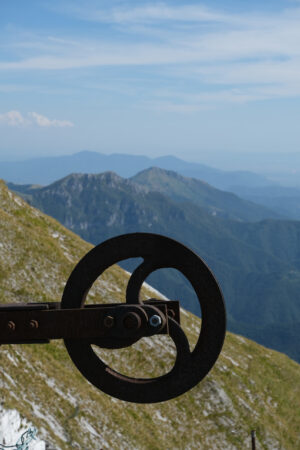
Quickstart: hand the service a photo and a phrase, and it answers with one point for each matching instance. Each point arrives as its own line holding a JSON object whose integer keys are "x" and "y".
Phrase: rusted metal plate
{"x": 157, "y": 252}
{"x": 173, "y": 307}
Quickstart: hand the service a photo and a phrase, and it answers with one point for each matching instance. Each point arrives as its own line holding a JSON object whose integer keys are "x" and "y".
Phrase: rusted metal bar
{"x": 29, "y": 323}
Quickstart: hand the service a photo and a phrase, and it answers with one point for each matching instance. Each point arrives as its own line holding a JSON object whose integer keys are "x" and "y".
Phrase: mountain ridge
{"x": 218, "y": 202}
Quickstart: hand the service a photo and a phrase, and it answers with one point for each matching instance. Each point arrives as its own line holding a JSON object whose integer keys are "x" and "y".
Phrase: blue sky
{"x": 192, "y": 79}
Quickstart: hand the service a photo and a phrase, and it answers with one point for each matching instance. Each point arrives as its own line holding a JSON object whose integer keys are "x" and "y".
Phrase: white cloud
{"x": 43, "y": 121}
{"x": 16, "y": 119}
{"x": 13, "y": 119}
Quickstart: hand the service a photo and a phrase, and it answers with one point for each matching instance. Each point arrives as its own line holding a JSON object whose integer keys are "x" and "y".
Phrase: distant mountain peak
{"x": 184, "y": 189}
{"x": 158, "y": 171}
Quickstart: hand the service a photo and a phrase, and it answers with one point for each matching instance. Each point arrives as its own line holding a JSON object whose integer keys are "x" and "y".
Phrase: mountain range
{"x": 284, "y": 201}
{"x": 250, "y": 387}
{"x": 257, "y": 264}
{"x": 49, "y": 169}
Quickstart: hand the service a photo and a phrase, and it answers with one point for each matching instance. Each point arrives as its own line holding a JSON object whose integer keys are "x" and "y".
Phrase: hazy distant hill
{"x": 257, "y": 264}
{"x": 250, "y": 387}
{"x": 218, "y": 203}
{"x": 47, "y": 170}
{"x": 284, "y": 200}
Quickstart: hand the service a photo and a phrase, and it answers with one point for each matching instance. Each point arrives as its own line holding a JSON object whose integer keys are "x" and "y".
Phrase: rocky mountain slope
{"x": 250, "y": 387}
{"x": 218, "y": 203}
{"x": 257, "y": 264}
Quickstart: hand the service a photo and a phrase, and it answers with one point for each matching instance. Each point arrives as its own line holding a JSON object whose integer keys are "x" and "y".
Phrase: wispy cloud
{"x": 16, "y": 119}
{"x": 13, "y": 119}
{"x": 259, "y": 38}
{"x": 151, "y": 13}
{"x": 241, "y": 57}
{"x": 44, "y": 122}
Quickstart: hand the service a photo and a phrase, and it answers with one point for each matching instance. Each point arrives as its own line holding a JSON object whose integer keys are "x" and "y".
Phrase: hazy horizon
{"x": 263, "y": 163}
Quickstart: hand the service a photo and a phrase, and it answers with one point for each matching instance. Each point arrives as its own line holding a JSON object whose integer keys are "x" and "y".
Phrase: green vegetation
{"x": 250, "y": 387}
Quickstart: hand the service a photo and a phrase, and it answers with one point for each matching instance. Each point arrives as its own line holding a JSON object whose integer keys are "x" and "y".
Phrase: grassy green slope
{"x": 250, "y": 386}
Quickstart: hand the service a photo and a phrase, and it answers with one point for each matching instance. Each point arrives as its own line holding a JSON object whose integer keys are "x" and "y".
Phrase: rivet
{"x": 11, "y": 325}
{"x": 33, "y": 324}
{"x": 132, "y": 321}
{"x": 108, "y": 321}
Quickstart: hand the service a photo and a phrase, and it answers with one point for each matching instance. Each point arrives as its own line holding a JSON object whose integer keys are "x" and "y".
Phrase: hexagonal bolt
{"x": 132, "y": 321}
{"x": 155, "y": 321}
{"x": 11, "y": 325}
{"x": 108, "y": 321}
{"x": 33, "y": 324}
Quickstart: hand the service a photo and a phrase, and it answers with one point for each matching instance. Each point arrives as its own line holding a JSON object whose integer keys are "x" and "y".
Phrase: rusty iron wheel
{"x": 157, "y": 252}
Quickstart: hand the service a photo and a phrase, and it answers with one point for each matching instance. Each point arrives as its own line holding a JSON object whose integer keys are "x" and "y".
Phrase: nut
{"x": 155, "y": 321}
